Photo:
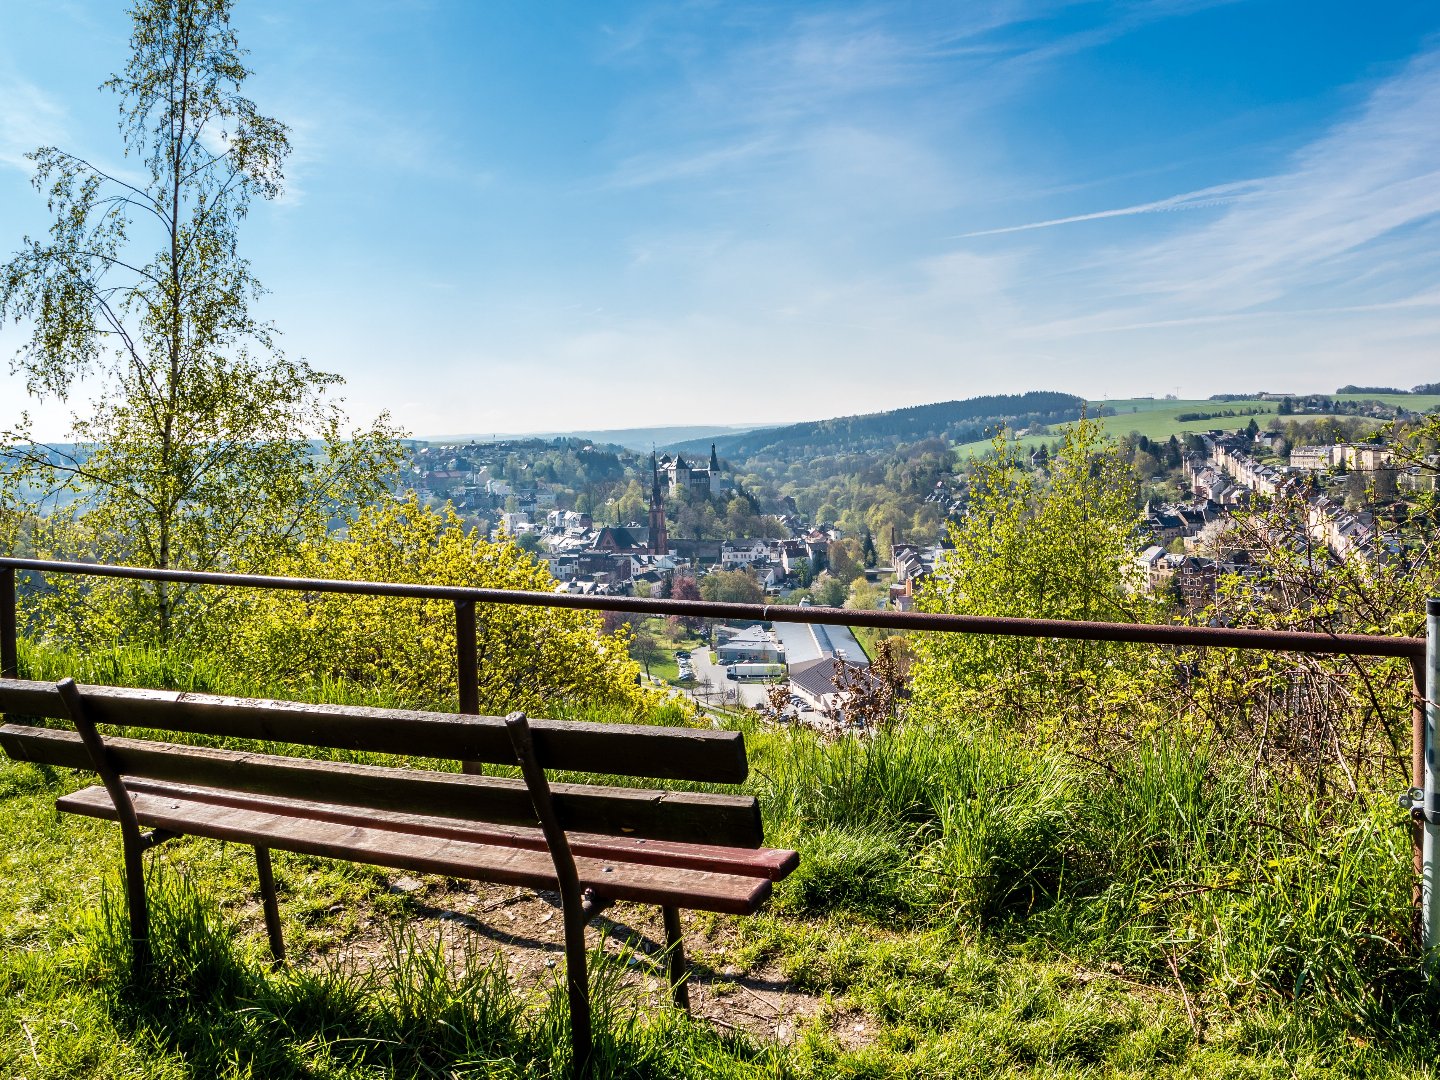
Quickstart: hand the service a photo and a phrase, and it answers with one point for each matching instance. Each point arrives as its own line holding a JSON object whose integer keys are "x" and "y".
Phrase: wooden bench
{"x": 593, "y": 844}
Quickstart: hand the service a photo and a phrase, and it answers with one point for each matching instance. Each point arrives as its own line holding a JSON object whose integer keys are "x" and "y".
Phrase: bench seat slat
{"x": 662, "y": 753}
{"x": 609, "y": 878}
{"x": 770, "y": 863}
{"x": 727, "y": 820}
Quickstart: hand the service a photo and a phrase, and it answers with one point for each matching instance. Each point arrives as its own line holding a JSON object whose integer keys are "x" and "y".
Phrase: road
{"x": 753, "y": 694}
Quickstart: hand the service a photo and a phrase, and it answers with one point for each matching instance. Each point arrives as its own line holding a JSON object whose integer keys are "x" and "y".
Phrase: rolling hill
{"x": 953, "y": 421}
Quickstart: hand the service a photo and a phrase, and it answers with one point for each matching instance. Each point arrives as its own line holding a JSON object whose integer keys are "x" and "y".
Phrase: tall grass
{"x": 1171, "y": 862}
{"x": 909, "y": 823}
{"x": 124, "y": 665}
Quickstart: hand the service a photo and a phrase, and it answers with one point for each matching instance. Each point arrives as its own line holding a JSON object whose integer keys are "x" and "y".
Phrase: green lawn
{"x": 667, "y": 667}
{"x": 1413, "y": 402}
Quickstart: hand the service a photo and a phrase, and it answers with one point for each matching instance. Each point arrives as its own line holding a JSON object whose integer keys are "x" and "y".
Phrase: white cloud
{"x": 1371, "y": 179}
{"x": 29, "y": 118}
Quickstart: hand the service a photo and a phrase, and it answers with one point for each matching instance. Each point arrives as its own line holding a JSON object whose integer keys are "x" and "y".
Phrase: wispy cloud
{"x": 1218, "y": 195}
{"x": 750, "y": 102}
{"x": 1372, "y": 179}
{"x": 845, "y": 136}
{"x": 28, "y": 118}
{"x": 1280, "y": 316}
{"x": 1328, "y": 259}
{"x": 646, "y": 169}
{"x": 743, "y": 87}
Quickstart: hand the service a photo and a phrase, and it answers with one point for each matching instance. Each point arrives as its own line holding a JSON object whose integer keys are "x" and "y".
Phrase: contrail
{"x": 1191, "y": 200}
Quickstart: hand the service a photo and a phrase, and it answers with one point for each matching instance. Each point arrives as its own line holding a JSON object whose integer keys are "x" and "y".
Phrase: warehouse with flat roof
{"x": 805, "y": 642}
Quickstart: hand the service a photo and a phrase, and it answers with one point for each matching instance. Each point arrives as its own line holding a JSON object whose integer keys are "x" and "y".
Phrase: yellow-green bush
{"x": 531, "y": 658}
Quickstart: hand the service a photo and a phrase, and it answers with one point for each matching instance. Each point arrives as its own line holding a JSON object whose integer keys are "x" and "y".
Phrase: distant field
{"x": 1417, "y": 402}
{"x": 1156, "y": 418}
{"x": 1414, "y": 402}
{"x": 1159, "y": 419}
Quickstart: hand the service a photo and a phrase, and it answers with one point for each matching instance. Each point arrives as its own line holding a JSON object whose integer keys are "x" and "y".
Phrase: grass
{"x": 967, "y": 904}
{"x": 667, "y": 668}
{"x": 1413, "y": 402}
{"x": 870, "y": 636}
{"x": 1157, "y": 418}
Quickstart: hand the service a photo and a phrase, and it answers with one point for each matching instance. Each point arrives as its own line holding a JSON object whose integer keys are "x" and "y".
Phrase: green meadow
{"x": 1157, "y": 419}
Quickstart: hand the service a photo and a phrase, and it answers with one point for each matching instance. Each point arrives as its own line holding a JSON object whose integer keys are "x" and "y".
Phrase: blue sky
{"x": 516, "y": 216}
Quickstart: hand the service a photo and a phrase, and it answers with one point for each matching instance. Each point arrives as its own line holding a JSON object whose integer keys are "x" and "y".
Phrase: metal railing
{"x": 1422, "y": 653}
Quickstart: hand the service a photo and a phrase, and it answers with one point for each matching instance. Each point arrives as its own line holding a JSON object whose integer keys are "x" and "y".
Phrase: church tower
{"x": 659, "y": 544}
{"x": 715, "y": 485}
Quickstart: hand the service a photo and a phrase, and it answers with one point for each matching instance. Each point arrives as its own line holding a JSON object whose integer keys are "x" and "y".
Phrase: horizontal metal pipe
{"x": 1136, "y": 633}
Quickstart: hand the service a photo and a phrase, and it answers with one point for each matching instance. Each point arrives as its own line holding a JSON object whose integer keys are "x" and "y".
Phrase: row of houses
{"x": 1364, "y": 457}
{"x": 1228, "y": 474}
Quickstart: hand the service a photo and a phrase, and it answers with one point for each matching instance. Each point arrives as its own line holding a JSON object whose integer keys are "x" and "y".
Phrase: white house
{"x": 741, "y": 553}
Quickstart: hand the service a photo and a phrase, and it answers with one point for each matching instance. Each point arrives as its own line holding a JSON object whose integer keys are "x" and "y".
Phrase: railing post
{"x": 465, "y": 665}
{"x": 1429, "y": 892}
{"x": 1417, "y": 776}
{"x": 9, "y": 627}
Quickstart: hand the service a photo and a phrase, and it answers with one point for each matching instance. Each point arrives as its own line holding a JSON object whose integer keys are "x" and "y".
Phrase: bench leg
{"x": 131, "y": 842}
{"x": 268, "y": 901}
{"x": 577, "y": 979}
{"x": 135, "y": 898}
{"x": 572, "y": 899}
{"x": 675, "y": 959}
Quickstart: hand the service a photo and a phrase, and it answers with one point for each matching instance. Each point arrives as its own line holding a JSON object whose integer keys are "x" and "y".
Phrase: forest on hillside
{"x": 953, "y": 421}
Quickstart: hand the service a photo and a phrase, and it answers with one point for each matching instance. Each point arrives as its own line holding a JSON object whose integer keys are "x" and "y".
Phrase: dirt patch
{"x": 526, "y": 929}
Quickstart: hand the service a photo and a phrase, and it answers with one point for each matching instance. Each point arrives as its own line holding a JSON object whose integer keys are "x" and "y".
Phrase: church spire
{"x": 714, "y": 461}
{"x": 659, "y": 543}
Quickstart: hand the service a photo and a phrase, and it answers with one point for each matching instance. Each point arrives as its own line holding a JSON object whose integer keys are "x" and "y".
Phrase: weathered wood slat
{"x": 30, "y": 698}
{"x": 770, "y": 863}
{"x": 616, "y": 749}
{"x": 686, "y": 817}
{"x": 608, "y": 878}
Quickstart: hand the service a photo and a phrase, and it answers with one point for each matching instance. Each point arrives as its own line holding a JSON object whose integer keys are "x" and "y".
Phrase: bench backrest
{"x": 663, "y": 753}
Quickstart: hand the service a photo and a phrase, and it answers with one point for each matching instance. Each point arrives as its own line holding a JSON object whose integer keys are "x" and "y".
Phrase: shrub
{"x": 528, "y": 657}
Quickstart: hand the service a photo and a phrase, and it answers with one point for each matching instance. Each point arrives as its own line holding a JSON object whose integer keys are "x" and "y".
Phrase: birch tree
{"x": 200, "y": 444}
